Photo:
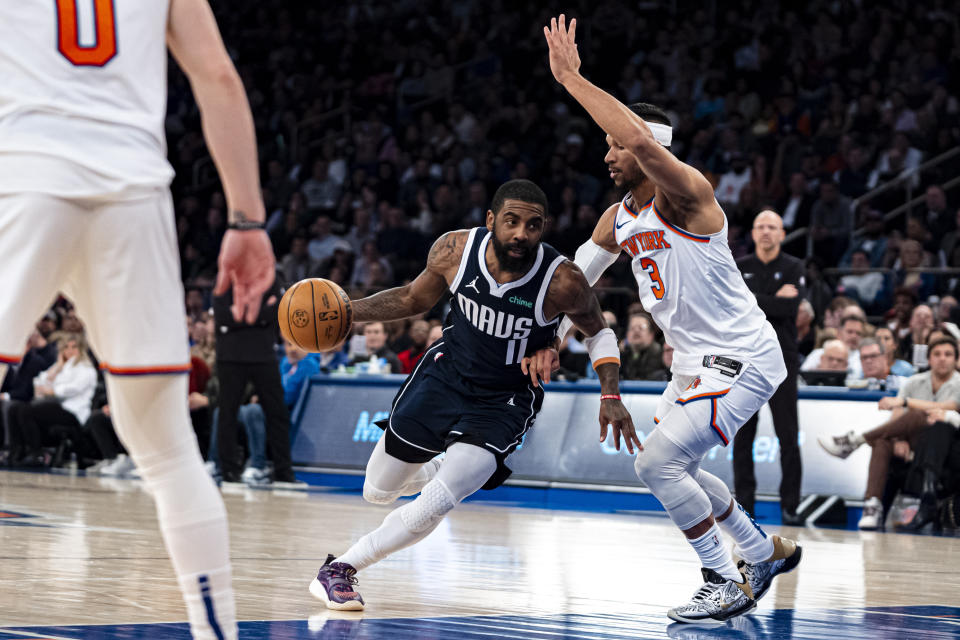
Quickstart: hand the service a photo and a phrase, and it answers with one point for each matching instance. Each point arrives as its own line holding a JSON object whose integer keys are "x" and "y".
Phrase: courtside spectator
{"x": 938, "y": 388}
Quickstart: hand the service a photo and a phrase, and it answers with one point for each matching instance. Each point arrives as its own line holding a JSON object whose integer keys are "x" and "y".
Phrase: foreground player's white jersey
{"x": 83, "y": 81}
{"x": 691, "y": 286}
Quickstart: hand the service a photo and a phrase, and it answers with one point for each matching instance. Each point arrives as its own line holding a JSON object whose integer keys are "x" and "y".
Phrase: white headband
{"x": 663, "y": 133}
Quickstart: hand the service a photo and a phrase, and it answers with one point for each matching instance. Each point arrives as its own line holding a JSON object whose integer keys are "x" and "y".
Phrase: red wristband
{"x": 610, "y": 396}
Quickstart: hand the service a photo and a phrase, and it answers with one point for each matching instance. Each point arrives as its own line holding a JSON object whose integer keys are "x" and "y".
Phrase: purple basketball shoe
{"x": 334, "y": 585}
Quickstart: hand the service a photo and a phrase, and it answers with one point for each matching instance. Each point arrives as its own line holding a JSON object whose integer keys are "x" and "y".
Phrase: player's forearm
{"x": 609, "y": 375}
{"x": 231, "y": 138}
{"x": 392, "y": 304}
{"x": 924, "y": 405}
{"x": 610, "y": 114}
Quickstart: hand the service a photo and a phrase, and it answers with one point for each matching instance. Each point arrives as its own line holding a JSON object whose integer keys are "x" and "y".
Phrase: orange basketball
{"x": 315, "y": 314}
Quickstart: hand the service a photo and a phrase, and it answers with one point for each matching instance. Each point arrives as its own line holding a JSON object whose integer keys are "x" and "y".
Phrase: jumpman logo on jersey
{"x": 473, "y": 283}
{"x": 510, "y": 401}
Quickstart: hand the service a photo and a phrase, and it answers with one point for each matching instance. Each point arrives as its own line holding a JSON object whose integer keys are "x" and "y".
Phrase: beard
{"x": 622, "y": 181}
{"x": 512, "y": 263}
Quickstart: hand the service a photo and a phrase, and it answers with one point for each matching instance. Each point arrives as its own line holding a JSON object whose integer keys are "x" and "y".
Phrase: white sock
{"x": 857, "y": 439}
{"x": 153, "y": 422}
{"x": 210, "y": 604}
{"x": 753, "y": 545}
{"x": 714, "y": 555}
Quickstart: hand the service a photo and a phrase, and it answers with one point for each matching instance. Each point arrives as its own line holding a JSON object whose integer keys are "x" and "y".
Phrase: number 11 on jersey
{"x": 515, "y": 355}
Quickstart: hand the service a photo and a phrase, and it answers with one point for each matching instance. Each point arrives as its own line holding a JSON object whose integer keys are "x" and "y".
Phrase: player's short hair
{"x": 936, "y": 342}
{"x": 651, "y": 113}
{"x": 520, "y": 189}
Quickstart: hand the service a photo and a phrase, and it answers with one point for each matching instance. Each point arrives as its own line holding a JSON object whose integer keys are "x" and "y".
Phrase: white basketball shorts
{"x": 715, "y": 404}
{"x": 117, "y": 261}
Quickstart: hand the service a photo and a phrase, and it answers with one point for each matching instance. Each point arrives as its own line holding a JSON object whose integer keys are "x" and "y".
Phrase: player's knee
{"x": 374, "y": 495}
{"x": 645, "y": 467}
{"x": 426, "y": 512}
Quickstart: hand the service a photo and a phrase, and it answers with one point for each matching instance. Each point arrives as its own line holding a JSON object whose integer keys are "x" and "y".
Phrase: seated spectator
{"x": 371, "y": 270}
{"x": 332, "y": 359}
{"x": 376, "y": 345}
{"x": 806, "y": 332}
{"x": 830, "y": 221}
{"x": 298, "y": 264}
{"x": 666, "y": 361}
{"x": 850, "y": 333}
{"x": 418, "y": 333}
{"x": 18, "y": 383}
{"x": 62, "y": 397}
{"x": 888, "y": 339}
{"x": 873, "y": 240}
{"x": 436, "y": 332}
{"x": 296, "y": 367}
{"x": 898, "y": 317}
{"x": 912, "y": 257}
{"x": 204, "y": 344}
{"x": 938, "y": 388}
{"x": 918, "y": 332}
{"x": 867, "y": 287}
{"x": 934, "y": 467}
{"x": 640, "y": 354}
{"x": 876, "y": 367}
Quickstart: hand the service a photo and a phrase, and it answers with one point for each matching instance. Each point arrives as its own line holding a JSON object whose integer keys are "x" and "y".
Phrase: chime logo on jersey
{"x": 645, "y": 241}
{"x": 494, "y": 323}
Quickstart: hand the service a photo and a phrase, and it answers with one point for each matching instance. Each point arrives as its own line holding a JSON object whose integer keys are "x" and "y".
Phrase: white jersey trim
{"x": 548, "y": 276}
{"x": 496, "y": 289}
{"x": 463, "y": 261}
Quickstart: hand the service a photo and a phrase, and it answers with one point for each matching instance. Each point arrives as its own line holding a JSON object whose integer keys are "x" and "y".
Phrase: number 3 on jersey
{"x": 68, "y": 33}
{"x": 653, "y": 271}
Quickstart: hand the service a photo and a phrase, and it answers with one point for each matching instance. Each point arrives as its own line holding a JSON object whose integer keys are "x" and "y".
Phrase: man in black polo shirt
{"x": 776, "y": 279}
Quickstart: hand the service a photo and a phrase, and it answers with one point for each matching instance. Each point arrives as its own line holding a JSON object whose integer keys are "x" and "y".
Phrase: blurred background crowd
{"x": 383, "y": 125}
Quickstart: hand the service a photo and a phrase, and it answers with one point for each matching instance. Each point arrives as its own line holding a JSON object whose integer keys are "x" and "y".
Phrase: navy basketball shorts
{"x": 436, "y": 407}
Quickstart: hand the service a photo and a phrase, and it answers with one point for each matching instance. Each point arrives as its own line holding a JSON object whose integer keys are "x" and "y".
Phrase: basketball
{"x": 315, "y": 314}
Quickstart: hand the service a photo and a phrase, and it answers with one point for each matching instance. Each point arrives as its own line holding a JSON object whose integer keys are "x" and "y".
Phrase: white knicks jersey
{"x": 83, "y": 86}
{"x": 691, "y": 286}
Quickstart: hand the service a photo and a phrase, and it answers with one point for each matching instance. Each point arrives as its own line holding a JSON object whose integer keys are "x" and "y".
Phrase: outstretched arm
{"x": 426, "y": 289}
{"x": 570, "y": 293}
{"x": 677, "y": 180}
{"x": 246, "y": 261}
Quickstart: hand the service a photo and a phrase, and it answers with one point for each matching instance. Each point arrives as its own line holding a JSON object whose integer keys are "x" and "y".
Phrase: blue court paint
{"x": 872, "y": 623}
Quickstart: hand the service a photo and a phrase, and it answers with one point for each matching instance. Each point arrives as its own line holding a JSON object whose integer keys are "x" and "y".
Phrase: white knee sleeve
{"x": 387, "y": 477}
{"x": 374, "y": 495}
{"x": 662, "y": 466}
{"x": 716, "y": 489}
{"x": 424, "y": 513}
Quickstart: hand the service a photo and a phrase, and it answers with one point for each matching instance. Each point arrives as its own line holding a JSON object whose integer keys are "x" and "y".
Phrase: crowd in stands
{"x": 378, "y": 136}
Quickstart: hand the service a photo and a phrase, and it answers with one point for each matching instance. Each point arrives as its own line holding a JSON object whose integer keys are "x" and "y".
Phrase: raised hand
{"x": 564, "y": 58}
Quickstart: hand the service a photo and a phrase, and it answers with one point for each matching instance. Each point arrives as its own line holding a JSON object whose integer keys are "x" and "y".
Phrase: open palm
{"x": 564, "y": 58}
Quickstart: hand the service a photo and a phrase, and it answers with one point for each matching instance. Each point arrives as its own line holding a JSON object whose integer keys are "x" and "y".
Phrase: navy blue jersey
{"x": 492, "y": 326}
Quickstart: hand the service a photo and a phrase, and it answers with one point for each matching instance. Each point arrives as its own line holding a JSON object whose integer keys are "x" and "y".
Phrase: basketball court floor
{"x": 82, "y": 558}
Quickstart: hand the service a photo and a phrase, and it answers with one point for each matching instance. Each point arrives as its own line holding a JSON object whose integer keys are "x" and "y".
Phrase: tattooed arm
{"x": 570, "y": 293}
{"x": 420, "y": 295}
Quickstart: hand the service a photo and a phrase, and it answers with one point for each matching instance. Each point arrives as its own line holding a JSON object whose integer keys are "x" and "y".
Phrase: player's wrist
{"x": 610, "y": 396}
{"x": 240, "y": 220}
